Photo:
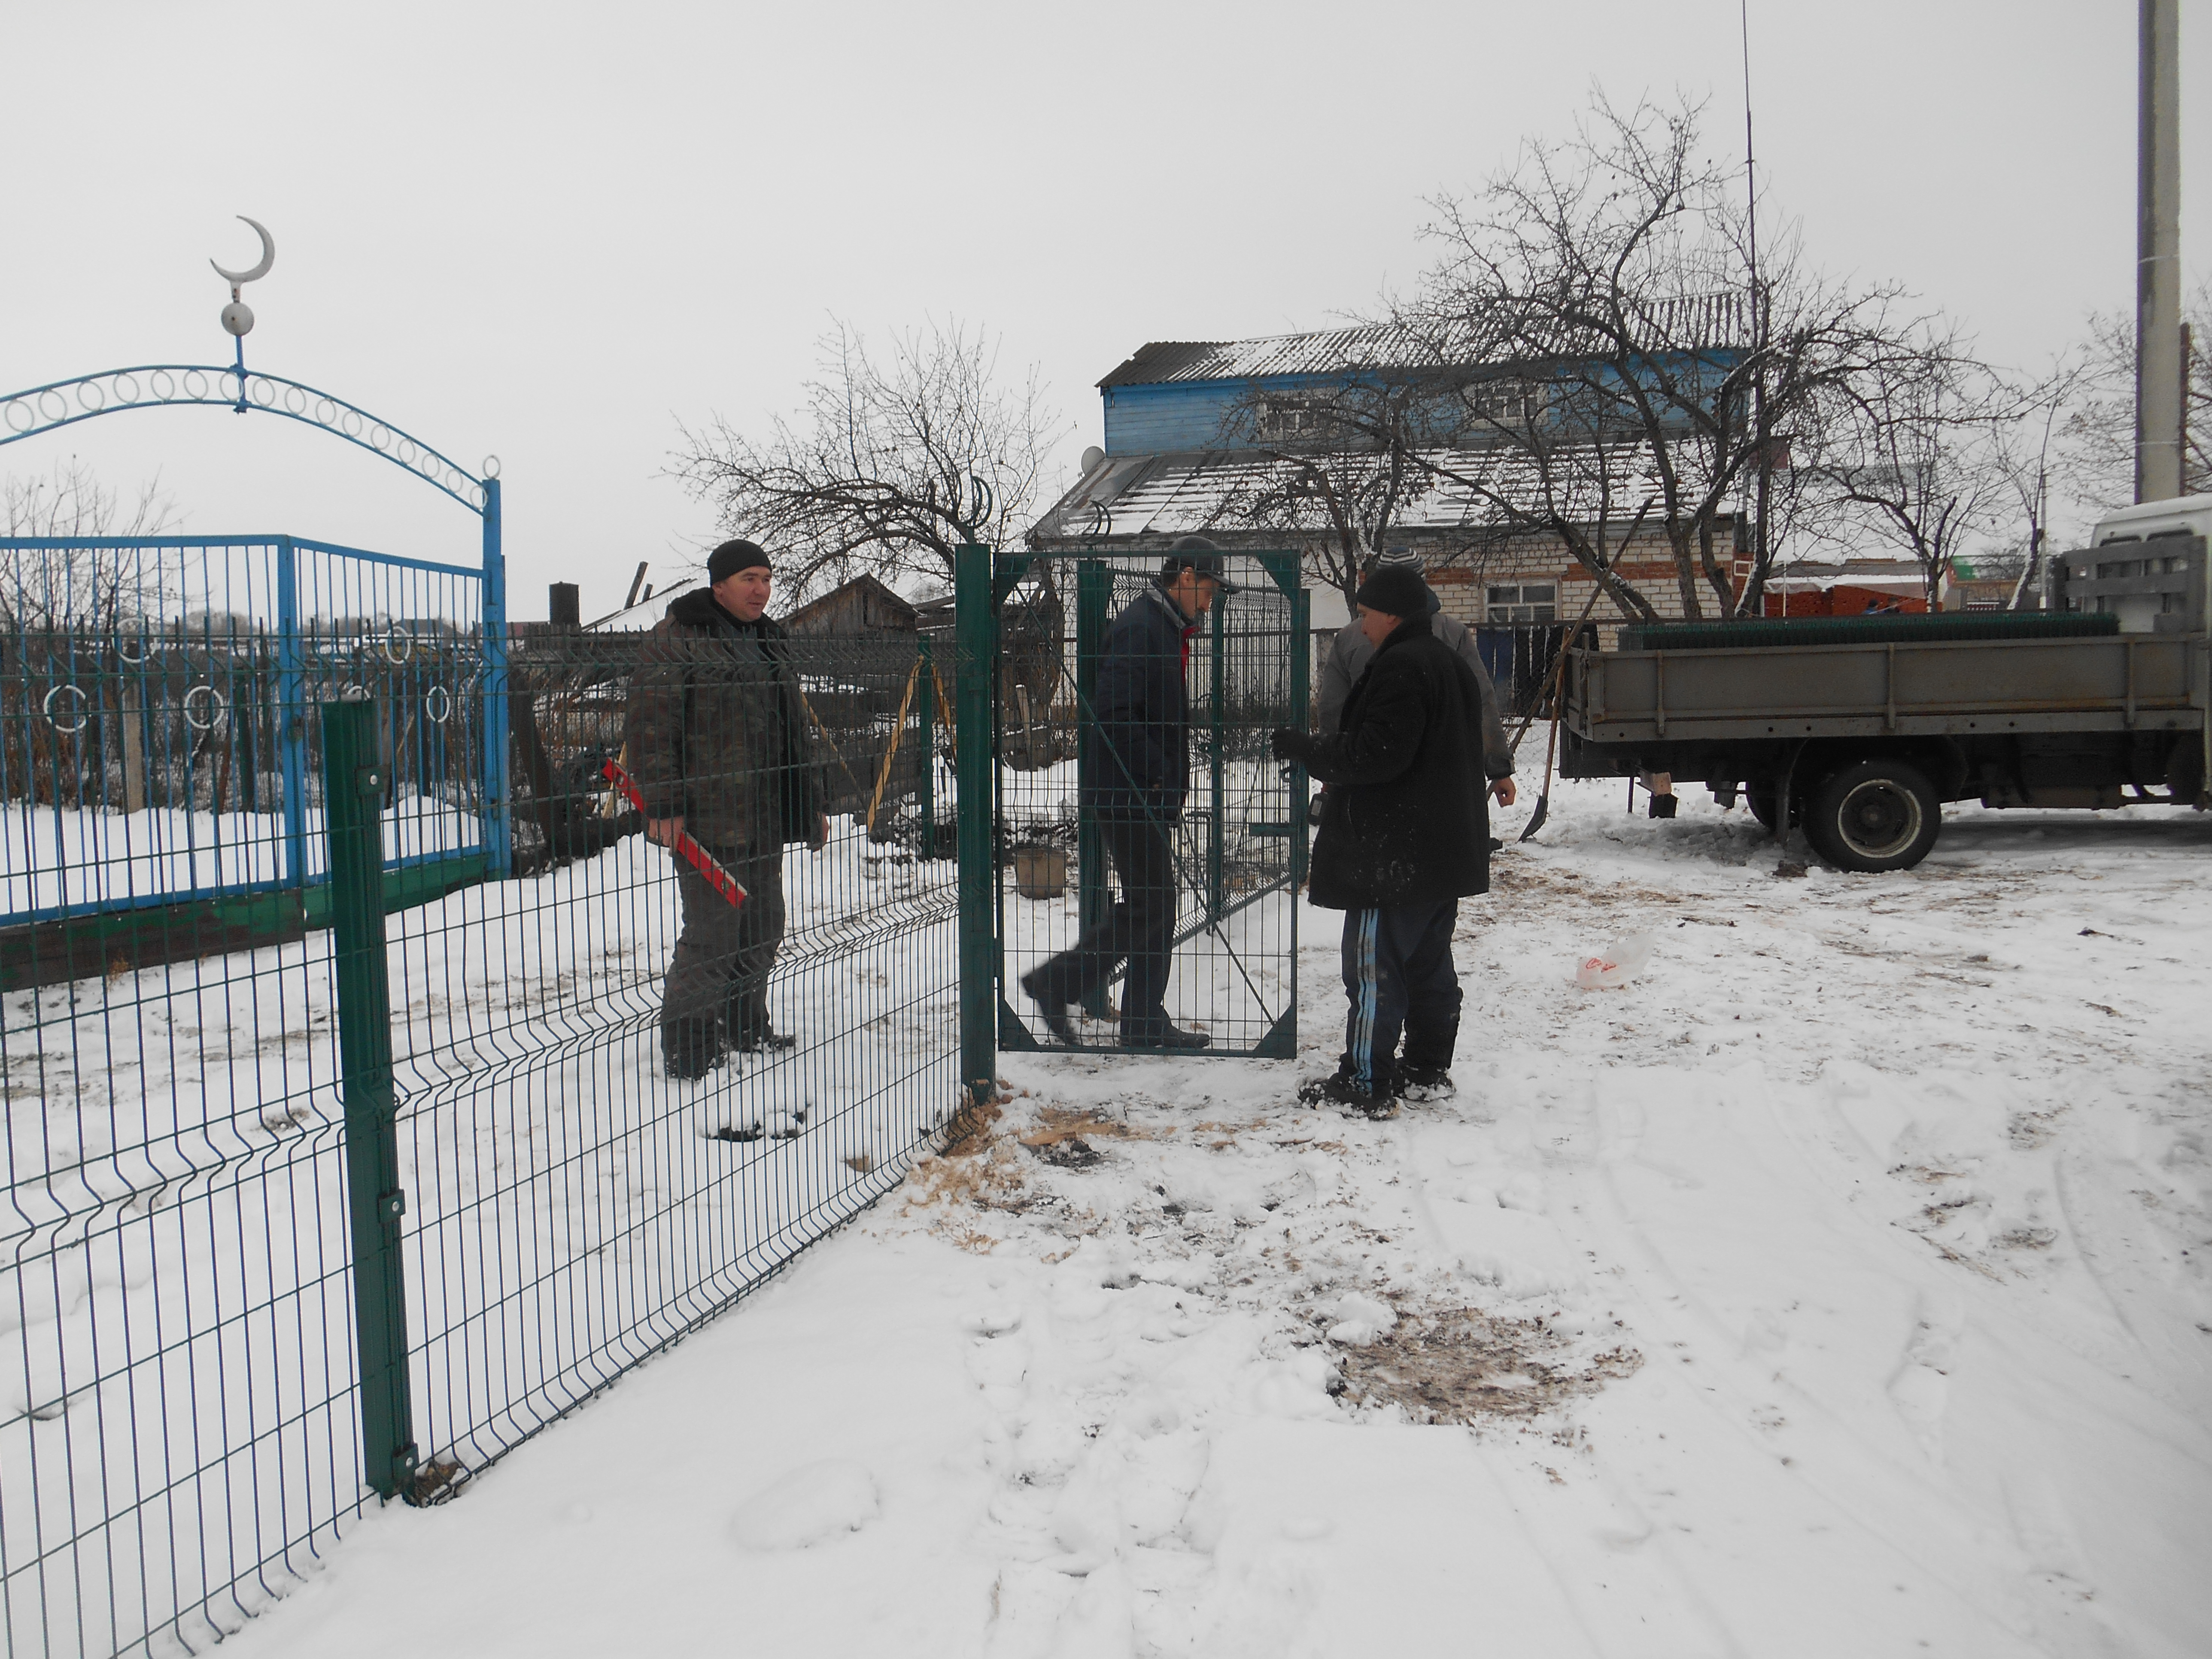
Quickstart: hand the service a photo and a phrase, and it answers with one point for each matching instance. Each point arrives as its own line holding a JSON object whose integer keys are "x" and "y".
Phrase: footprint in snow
{"x": 817, "y": 1503}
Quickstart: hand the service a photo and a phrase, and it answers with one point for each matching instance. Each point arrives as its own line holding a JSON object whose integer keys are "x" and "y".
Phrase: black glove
{"x": 1288, "y": 743}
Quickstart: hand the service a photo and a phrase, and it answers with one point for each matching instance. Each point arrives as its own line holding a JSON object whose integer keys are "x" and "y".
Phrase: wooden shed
{"x": 862, "y": 608}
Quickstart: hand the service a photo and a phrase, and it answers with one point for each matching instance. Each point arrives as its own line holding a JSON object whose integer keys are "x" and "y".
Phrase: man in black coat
{"x": 1133, "y": 774}
{"x": 1404, "y": 837}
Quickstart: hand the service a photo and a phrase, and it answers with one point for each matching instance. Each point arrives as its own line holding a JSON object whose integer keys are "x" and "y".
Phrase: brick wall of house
{"x": 1648, "y": 567}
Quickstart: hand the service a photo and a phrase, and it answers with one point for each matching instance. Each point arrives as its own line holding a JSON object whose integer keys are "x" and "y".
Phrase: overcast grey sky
{"x": 551, "y": 231}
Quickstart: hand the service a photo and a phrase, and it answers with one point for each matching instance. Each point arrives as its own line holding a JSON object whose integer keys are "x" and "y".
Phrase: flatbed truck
{"x": 1859, "y": 729}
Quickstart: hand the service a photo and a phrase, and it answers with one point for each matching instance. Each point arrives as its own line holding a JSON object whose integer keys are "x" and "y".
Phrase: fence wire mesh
{"x": 181, "y": 1390}
{"x": 1130, "y": 817}
{"x": 575, "y": 1202}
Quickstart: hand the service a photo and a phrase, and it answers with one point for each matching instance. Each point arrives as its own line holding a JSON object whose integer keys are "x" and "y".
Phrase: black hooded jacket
{"x": 1408, "y": 819}
{"x": 1135, "y": 761}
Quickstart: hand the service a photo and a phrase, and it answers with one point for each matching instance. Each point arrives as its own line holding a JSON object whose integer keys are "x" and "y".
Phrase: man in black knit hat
{"x": 1405, "y": 835}
{"x": 717, "y": 746}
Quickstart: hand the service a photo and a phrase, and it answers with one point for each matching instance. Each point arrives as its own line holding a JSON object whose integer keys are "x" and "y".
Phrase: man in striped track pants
{"x": 1405, "y": 835}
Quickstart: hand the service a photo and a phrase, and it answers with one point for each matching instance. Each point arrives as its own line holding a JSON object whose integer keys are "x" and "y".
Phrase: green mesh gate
{"x": 1239, "y": 844}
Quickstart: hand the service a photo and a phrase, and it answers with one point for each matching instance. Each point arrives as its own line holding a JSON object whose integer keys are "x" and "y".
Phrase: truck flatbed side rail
{"x": 2123, "y": 683}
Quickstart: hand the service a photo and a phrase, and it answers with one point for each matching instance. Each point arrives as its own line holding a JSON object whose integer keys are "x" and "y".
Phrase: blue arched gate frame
{"x": 274, "y": 601}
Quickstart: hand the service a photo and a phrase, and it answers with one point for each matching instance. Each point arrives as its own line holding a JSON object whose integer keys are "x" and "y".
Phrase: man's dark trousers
{"x": 1140, "y": 925}
{"x": 1398, "y": 975}
{"x": 719, "y": 973}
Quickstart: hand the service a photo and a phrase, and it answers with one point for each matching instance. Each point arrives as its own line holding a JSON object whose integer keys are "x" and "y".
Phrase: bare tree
{"x": 1633, "y": 348}
{"x": 1330, "y": 467}
{"x": 80, "y": 589}
{"x": 2097, "y": 445}
{"x": 1906, "y": 454}
{"x": 897, "y": 460}
{"x": 2023, "y": 449}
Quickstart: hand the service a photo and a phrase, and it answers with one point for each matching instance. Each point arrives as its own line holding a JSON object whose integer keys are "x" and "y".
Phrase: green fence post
{"x": 1301, "y": 717}
{"x": 925, "y": 689}
{"x": 1094, "y": 596}
{"x": 976, "y": 614}
{"x": 352, "y": 798}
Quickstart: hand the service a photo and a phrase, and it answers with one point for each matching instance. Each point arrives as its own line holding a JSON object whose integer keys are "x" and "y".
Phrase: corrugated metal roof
{"x": 1331, "y": 352}
{"x": 1695, "y": 322}
{"x": 1151, "y": 495}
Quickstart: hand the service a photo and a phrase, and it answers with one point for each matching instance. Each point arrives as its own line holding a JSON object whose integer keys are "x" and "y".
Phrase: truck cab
{"x": 2144, "y": 564}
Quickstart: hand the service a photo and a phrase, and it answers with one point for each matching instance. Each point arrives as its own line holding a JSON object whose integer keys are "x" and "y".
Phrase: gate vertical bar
{"x": 498, "y": 822}
{"x": 1217, "y": 732}
{"x": 353, "y": 796}
{"x": 926, "y": 693}
{"x": 1094, "y": 592}
{"x": 975, "y": 613}
{"x": 291, "y": 712}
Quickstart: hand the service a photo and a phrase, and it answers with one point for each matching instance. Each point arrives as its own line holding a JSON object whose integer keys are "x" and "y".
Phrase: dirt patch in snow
{"x": 1464, "y": 1366}
{"x": 1057, "y": 1124}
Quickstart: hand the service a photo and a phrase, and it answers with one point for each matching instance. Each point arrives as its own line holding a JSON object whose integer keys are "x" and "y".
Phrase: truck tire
{"x": 1874, "y": 815}
{"x": 1759, "y": 797}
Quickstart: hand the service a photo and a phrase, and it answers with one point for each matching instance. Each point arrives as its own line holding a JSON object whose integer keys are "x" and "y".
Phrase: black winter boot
{"x": 690, "y": 1048}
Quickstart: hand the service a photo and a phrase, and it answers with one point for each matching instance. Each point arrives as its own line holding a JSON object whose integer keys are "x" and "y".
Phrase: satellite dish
{"x": 1091, "y": 458}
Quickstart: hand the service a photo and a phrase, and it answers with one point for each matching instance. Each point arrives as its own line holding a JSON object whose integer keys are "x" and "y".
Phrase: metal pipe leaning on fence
{"x": 717, "y": 874}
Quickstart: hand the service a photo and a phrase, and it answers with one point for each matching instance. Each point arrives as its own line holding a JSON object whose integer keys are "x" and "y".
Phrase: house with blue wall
{"x": 1190, "y": 425}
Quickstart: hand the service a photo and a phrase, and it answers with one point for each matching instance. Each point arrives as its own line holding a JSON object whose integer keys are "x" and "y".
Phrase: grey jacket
{"x": 1349, "y": 654}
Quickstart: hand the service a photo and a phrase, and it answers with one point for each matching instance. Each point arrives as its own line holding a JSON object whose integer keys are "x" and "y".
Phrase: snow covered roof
{"x": 1328, "y": 352}
{"x": 1689, "y": 322}
{"x": 1143, "y": 496}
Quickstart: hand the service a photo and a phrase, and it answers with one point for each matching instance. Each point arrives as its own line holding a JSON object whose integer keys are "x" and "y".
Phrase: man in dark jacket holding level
{"x": 717, "y": 742}
{"x": 1133, "y": 774}
{"x": 1405, "y": 836}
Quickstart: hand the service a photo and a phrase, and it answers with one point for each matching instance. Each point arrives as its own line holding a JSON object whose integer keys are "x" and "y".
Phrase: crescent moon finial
{"x": 268, "y": 257}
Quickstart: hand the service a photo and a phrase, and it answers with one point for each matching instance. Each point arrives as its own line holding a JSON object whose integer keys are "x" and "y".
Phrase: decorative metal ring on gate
{"x": 17, "y": 407}
{"x": 90, "y": 397}
{"x": 215, "y": 704}
{"x": 196, "y": 385}
{"x": 84, "y": 709}
{"x": 398, "y": 644}
{"x": 122, "y": 651}
{"x": 437, "y": 705}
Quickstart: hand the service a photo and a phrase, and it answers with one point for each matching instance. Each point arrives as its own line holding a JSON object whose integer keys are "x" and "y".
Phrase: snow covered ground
{"x": 1838, "y": 1287}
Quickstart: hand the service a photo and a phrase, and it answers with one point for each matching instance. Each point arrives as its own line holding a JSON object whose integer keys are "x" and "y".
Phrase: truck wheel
{"x": 1874, "y": 815}
{"x": 1760, "y": 797}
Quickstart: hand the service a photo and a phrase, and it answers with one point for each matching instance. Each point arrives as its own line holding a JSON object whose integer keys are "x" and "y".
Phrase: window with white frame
{"x": 1522, "y": 602}
{"x": 1500, "y": 403}
{"x": 1286, "y": 420}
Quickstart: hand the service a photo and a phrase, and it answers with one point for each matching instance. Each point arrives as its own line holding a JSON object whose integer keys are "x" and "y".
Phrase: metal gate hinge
{"x": 392, "y": 1205}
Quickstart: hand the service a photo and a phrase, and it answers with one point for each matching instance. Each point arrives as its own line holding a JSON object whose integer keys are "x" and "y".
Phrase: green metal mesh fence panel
{"x": 180, "y": 1406}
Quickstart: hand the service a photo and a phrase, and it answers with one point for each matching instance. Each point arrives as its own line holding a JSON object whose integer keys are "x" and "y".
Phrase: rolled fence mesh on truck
{"x": 194, "y": 1132}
